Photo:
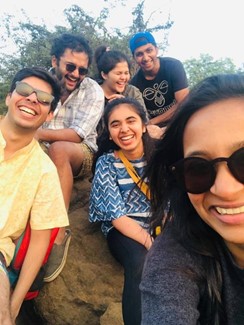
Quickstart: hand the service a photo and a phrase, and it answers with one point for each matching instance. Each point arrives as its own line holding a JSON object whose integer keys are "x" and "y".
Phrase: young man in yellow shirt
{"x": 30, "y": 190}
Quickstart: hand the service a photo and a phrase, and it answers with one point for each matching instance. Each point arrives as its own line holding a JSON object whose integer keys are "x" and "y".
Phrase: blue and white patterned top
{"x": 114, "y": 194}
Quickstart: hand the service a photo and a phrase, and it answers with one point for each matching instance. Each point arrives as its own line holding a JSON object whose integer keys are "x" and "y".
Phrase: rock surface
{"x": 89, "y": 289}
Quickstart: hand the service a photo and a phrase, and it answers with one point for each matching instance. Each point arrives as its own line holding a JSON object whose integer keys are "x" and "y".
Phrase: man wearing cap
{"x": 161, "y": 80}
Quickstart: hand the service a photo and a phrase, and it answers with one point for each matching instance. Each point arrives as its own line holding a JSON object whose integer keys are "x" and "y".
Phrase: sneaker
{"x": 57, "y": 258}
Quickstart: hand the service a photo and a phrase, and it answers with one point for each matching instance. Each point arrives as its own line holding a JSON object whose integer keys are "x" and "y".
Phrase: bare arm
{"x": 34, "y": 257}
{"x": 133, "y": 230}
{"x": 163, "y": 117}
{"x": 57, "y": 135}
{"x": 179, "y": 96}
{"x": 5, "y": 317}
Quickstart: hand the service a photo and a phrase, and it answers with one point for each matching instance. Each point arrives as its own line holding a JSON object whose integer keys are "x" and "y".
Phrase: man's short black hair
{"x": 76, "y": 43}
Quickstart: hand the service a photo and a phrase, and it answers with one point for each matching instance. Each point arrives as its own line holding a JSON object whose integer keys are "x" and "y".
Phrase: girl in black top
{"x": 194, "y": 273}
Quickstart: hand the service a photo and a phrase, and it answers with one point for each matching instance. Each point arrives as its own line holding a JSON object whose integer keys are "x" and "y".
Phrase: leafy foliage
{"x": 33, "y": 42}
{"x": 205, "y": 66}
{"x": 3, "y": 92}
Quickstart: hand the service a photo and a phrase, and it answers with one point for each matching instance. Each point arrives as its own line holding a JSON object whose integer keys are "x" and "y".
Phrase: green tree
{"x": 3, "y": 92}
{"x": 33, "y": 42}
{"x": 142, "y": 23}
{"x": 205, "y": 65}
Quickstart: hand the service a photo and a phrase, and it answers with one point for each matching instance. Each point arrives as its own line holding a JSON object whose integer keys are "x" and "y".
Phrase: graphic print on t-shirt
{"x": 157, "y": 93}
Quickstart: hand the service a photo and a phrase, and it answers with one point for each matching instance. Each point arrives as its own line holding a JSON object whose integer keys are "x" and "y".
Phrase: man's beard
{"x": 61, "y": 78}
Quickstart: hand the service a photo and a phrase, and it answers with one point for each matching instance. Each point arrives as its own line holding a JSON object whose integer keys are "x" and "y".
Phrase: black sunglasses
{"x": 24, "y": 89}
{"x": 70, "y": 67}
{"x": 197, "y": 175}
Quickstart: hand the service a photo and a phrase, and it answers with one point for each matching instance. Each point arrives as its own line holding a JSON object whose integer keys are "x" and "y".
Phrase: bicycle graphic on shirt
{"x": 157, "y": 93}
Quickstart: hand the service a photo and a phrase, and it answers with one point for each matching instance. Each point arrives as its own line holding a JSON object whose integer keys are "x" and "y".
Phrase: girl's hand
{"x": 114, "y": 96}
{"x": 155, "y": 131}
{"x": 149, "y": 241}
{"x": 15, "y": 308}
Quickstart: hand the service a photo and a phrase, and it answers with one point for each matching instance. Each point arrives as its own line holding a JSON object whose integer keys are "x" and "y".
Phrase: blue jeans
{"x": 131, "y": 255}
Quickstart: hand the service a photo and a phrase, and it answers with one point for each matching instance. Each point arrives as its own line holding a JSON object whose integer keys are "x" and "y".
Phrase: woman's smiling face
{"x": 216, "y": 131}
{"x": 117, "y": 78}
{"x": 126, "y": 128}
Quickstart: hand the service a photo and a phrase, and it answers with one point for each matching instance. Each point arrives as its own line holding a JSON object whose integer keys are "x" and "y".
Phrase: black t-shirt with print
{"x": 158, "y": 93}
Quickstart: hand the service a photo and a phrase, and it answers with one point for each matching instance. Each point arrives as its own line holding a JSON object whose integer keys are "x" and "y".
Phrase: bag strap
{"x": 134, "y": 175}
{"x": 137, "y": 179}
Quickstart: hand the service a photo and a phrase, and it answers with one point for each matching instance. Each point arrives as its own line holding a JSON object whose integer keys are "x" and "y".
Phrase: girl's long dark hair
{"x": 172, "y": 202}
{"x": 106, "y": 145}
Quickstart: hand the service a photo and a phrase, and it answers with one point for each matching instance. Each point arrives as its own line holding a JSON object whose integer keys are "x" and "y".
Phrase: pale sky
{"x": 212, "y": 27}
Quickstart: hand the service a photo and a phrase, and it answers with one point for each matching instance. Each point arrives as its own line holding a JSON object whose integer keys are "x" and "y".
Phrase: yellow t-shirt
{"x": 29, "y": 188}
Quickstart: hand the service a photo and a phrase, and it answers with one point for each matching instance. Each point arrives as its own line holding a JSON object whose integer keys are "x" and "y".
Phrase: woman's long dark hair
{"x": 172, "y": 202}
{"x": 106, "y": 145}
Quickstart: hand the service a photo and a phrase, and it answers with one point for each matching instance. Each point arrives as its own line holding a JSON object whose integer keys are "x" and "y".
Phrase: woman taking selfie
{"x": 194, "y": 272}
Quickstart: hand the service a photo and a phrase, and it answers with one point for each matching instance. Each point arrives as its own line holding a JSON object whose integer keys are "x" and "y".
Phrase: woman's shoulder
{"x": 105, "y": 167}
{"x": 107, "y": 158}
{"x": 169, "y": 252}
{"x": 130, "y": 90}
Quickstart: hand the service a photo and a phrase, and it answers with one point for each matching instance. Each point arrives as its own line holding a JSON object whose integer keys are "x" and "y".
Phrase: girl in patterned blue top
{"x": 117, "y": 202}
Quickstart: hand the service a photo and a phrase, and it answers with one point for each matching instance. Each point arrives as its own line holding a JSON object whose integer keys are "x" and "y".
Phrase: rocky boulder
{"x": 89, "y": 289}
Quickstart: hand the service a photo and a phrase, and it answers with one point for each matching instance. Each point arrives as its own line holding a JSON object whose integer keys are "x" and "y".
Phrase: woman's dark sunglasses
{"x": 197, "y": 175}
{"x": 24, "y": 89}
{"x": 70, "y": 67}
